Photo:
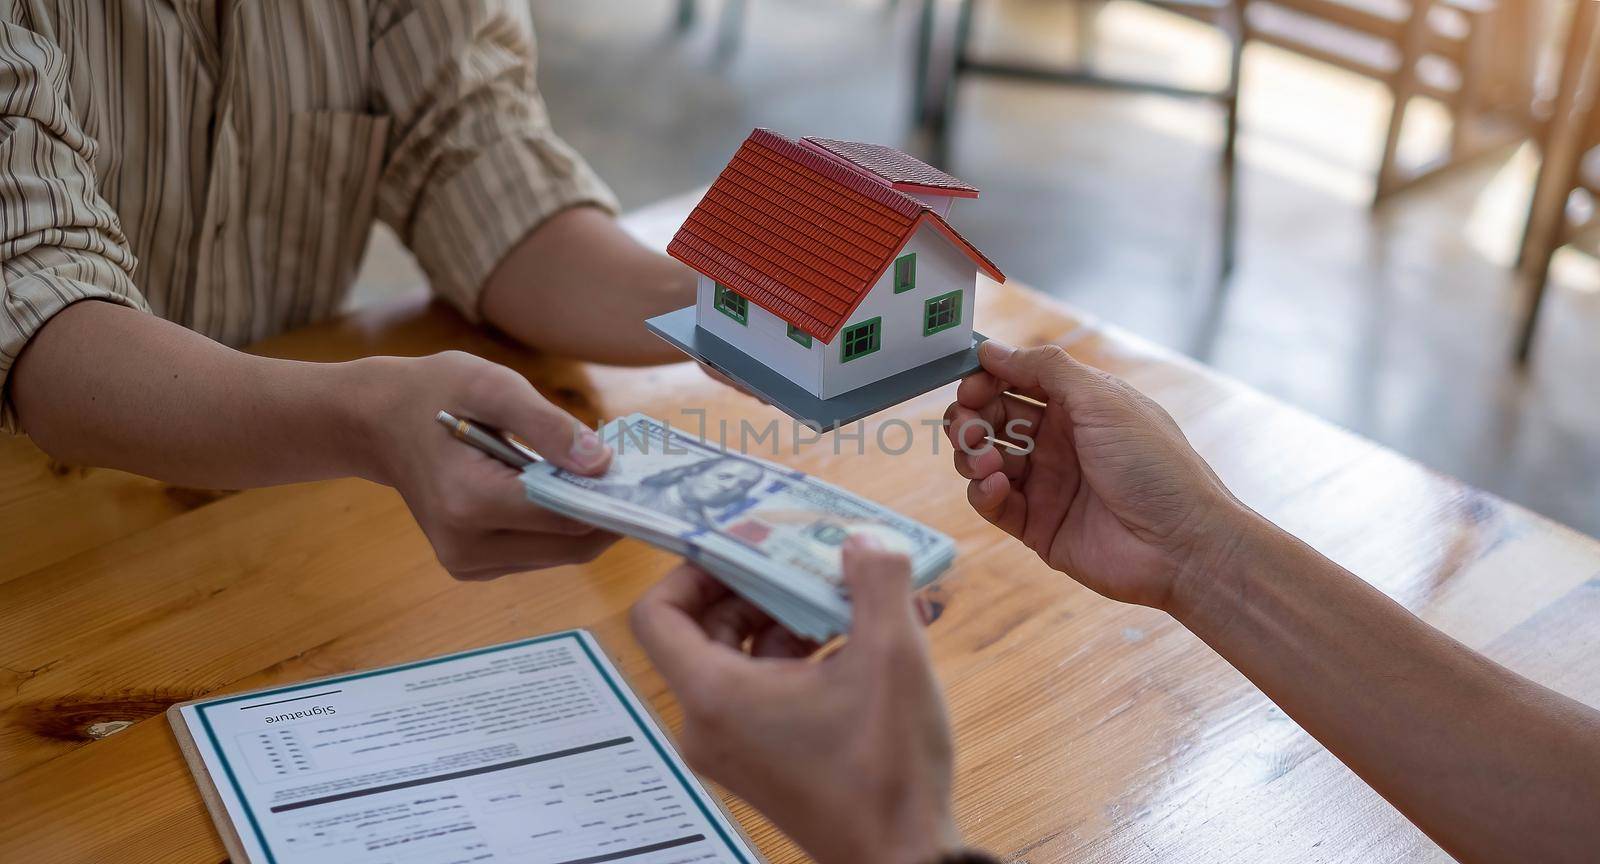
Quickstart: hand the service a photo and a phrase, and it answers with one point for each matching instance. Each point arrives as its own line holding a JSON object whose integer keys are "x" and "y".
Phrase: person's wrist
{"x": 919, "y": 831}
{"x": 366, "y": 396}
{"x": 1208, "y": 576}
{"x": 923, "y": 835}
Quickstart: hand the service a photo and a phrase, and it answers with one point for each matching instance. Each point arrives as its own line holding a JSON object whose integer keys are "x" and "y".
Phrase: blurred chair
{"x": 934, "y": 96}
{"x": 1567, "y": 193}
{"x": 1475, "y": 57}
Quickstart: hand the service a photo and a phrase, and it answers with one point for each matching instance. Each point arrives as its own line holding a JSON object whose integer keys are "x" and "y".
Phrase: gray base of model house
{"x": 679, "y": 328}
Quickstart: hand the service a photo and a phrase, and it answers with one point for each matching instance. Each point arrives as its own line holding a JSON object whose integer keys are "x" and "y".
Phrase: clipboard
{"x": 205, "y": 783}
{"x": 239, "y": 851}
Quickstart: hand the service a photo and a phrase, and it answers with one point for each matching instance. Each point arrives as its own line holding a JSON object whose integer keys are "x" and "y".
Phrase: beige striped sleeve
{"x": 474, "y": 165}
{"x": 60, "y": 242}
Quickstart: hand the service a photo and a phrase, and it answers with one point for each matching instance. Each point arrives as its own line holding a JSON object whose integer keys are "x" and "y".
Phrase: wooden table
{"x": 1088, "y": 731}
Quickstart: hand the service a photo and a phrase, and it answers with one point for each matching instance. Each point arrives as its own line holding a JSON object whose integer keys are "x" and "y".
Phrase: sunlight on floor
{"x": 1576, "y": 270}
{"x": 1494, "y": 227}
{"x": 1311, "y": 123}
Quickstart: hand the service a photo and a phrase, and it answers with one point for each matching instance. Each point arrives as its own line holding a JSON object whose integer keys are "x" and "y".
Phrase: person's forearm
{"x": 1490, "y": 765}
{"x": 108, "y": 386}
{"x": 580, "y": 286}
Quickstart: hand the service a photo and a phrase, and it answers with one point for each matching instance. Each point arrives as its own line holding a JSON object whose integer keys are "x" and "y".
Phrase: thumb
{"x": 1045, "y": 367}
{"x": 880, "y": 592}
{"x": 504, "y": 399}
{"x": 1050, "y": 373}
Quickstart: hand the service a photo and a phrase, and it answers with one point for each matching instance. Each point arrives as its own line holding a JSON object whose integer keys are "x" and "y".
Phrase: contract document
{"x": 534, "y": 752}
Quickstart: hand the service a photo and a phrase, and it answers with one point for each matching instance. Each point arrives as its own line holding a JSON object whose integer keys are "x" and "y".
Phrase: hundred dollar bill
{"x": 772, "y": 533}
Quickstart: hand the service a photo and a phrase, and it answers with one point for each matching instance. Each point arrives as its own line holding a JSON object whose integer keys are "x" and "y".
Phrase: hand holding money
{"x": 852, "y": 757}
{"x": 770, "y": 533}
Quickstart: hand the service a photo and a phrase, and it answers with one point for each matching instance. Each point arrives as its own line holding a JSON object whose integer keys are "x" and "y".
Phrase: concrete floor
{"x": 1396, "y": 323}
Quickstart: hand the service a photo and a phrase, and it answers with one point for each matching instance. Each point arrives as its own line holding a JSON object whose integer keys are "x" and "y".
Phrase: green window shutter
{"x": 941, "y": 313}
{"x": 862, "y": 339}
{"x": 905, "y": 273}
{"x": 799, "y": 335}
{"x": 731, "y": 304}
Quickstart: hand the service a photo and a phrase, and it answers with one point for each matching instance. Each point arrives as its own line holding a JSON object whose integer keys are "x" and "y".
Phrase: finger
{"x": 1046, "y": 372}
{"x": 880, "y": 593}
{"x": 496, "y": 499}
{"x": 949, "y": 422}
{"x": 499, "y": 553}
{"x": 969, "y": 428}
{"x": 1020, "y": 418}
{"x": 996, "y": 501}
{"x": 690, "y": 590}
{"x": 975, "y": 466}
{"x": 994, "y": 457}
{"x": 733, "y": 619}
{"x": 977, "y": 390}
{"x": 1004, "y": 418}
{"x": 985, "y": 388}
{"x": 975, "y": 457}
{"x": 777, "y": 643}
{"x": 504, "y": 399}
{"x": 666, "y": 621}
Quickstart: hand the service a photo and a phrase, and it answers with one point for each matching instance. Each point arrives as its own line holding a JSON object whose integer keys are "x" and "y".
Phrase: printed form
{"x": 534, "y": 752}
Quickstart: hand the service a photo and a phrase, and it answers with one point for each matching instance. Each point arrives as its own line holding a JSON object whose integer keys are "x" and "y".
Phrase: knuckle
{"x": 453, "y": 560}
{"x": 1059, "y": 372}
{"x": 459, "y": 511}
{"x": 454, "y": 361}
{"x": 487, "y": 383}
{"x": 976, "y": 499}
{"x": 639, "y": 616}
{"x": 963, "y": 465}
{"x": 1155, "y": 410}
{"x": 1052, "y": 355}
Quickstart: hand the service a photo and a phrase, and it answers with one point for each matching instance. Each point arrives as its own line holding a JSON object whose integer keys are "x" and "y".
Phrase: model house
{"x": 831, "y": 264}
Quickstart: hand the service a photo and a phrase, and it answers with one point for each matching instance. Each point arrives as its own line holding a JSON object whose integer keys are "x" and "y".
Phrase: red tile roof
{"x": 802, "y": 234}
{"x": 902, "y": 171}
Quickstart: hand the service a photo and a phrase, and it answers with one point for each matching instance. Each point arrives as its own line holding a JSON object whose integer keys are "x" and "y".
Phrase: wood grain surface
{"x": 1087, "y": 730}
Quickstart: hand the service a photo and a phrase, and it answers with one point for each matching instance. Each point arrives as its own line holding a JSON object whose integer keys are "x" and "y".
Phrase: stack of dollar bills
{"x": 771, "y": 534}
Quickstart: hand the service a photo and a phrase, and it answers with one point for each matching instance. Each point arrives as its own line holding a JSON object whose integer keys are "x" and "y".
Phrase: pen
{"x": 500, "y": 445}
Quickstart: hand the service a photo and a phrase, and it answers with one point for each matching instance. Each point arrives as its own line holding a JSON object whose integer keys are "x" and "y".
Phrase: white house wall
{"x": 941, "y": 268}
{"x": 765, "y": 337}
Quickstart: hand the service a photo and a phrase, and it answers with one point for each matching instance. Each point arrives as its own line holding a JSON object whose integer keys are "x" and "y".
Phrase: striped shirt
{"x": 220, "y": 162}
